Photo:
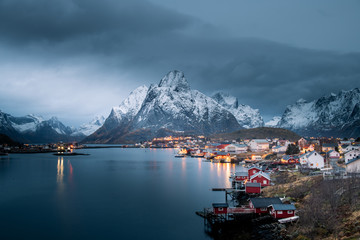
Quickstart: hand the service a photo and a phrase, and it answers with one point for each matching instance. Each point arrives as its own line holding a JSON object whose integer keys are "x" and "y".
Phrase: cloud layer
{"x": 77, "y": 58}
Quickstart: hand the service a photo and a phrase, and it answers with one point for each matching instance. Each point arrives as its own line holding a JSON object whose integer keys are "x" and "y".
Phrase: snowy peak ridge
{"x": 246, "y": 116}
{"x": 131, "y": 105}
{"x": 329, "y": 113}
{"x": 175, "y": 80}
{"x": 89, "y": 128}
{"x": 226, "y": 100}
{"x": 273, "y": 122}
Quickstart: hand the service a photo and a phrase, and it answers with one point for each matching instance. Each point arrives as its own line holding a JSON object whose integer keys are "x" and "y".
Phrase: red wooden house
{"x": 282, "y": 210}
{"x": 253, "y": 170}
{"x": 220, "y": 208}
{"x": 262, "y": 178}
{"x": 261, "y": 204}
{"x": 252, "y": 188}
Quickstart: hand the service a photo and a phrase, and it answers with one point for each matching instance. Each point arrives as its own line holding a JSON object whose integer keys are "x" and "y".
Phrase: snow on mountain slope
{"x": 173, "y": 105}
{"x": 128, "y": 109}
{"x": 273, "y": 122}
{"x": 246, "y": 116}
{"x": 89, "y": 128}
{"x": 326, "y": 114}
{"x": 27, "y": 123}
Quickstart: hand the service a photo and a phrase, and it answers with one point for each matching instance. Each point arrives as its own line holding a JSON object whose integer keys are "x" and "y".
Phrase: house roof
{"x": 240, "y": 145}
{"x": 260, "y": 174}
{"x": 241, "y": 174}
{"x": 255, "y": 168}
{"x": 287, "y": 157}
{"x": 264, "y": 202}
{"x": 311, "y": 153}
{"x": 279, "y": 207}
{"x": 329, "y": 145}
{"x": 222, "y": 153}
{"x": 222, "y": 146}
{"x": 260, "y": 140}
{"x": 264, "y": 167}
{"x": 332, "y": 151}
{"x": 278, "y": 147}
{"x": 220, "y": 205}
{"x": 353, "y": 160}
{"x": 250, "y": 184}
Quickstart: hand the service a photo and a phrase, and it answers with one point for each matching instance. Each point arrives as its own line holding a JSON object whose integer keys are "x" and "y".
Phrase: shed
{"x": 282, "y": 210}
{"x": 220, "y": 208}
{"x": 261, "y": 204}
{"x": 252, "y": 188}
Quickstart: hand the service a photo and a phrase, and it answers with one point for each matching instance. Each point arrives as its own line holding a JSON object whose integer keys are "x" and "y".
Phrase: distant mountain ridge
{"x": 35, "y": 129}
{"x": 335, "y": 115}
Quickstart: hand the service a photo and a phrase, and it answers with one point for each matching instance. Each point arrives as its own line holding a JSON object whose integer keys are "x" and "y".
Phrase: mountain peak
{"x": 175, "y": 79}
{"x": 226, "y": 100}
{"x": 301, "y": 100}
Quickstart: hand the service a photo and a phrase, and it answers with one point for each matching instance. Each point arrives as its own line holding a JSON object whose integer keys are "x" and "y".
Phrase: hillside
{"x": 258, "y": 133}
{"x": 4, "y": 139}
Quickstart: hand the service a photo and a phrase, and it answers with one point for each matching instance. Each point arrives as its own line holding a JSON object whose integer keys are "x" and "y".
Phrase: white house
{"x": 352, "y": 154}
{"x": 351, "y": 147}
{"x": 236, "y": 148}
{"x": 258, "y": 145}
{"x": 279, "y": 149}
{"x": 353, "y": 166}
{"x": 333, "y": 154}
{"x": 312, "y": 160}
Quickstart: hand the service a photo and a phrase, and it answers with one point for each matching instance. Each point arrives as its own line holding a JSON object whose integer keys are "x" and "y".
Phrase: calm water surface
{"x": 111, "y": 194}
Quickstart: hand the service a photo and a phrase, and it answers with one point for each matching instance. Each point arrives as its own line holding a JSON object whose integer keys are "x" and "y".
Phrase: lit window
{"x": 265, "y": 182}
{"x": 279, "y": 212}
{"x": 221, "y": 209}
{"x": 290, "y": 212}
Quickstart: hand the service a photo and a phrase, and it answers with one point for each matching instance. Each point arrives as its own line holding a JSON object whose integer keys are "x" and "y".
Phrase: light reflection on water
{"x": 110, "y": 194}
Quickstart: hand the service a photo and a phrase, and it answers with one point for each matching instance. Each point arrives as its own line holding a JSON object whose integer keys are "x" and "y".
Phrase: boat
{"x": 179, "y": 155}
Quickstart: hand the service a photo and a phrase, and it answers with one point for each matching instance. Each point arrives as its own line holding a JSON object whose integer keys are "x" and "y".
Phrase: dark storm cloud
{"x": 43, "y": 20}
{"x": 107, "y": 48}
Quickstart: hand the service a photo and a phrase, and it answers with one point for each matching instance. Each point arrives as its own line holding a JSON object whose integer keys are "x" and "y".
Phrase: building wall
{"x": 316, "y": 161}
{"x": 261, "y": 179}
{"x": 253, "y": 190}
{"x": 220, "y": 210}
{"x": 351, "y": 155}
{"x": 282, "y": 214}
{"x": 252, "y": 171}
{"x": 353, "y": 167}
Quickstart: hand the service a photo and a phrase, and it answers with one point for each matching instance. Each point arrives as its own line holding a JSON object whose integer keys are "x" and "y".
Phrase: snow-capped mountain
{"x": 34, "y": 129}
{"x": 332, "y": 115}
{"x": 172, "y": 104}
{"x": 128, "y": 109}
{"x": 169, "y": 106}
{"x": 88, "y": 128}
{"x": 246, "y": 116}
{"x": 273, "y": 122}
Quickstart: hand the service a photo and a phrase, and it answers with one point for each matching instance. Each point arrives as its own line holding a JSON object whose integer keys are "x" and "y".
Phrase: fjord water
{"x": 113, "y": 193}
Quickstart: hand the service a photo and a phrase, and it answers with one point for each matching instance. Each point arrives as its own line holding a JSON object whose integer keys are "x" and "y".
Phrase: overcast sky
{"x": 75, "y": 59}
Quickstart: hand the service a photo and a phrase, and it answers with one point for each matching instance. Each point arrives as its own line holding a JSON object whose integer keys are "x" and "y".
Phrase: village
{"x": 260, "y": 159}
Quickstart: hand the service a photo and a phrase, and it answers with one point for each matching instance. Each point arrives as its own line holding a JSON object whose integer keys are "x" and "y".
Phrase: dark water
{"x": 110, "y": 194}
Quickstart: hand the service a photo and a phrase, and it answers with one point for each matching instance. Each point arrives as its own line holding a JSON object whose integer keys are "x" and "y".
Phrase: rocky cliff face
{"x": 246, "y": 116}
{"x": 332, "y": 115}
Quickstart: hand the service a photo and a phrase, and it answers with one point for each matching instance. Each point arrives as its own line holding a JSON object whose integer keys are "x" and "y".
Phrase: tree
{"x": 292, "y": 149}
